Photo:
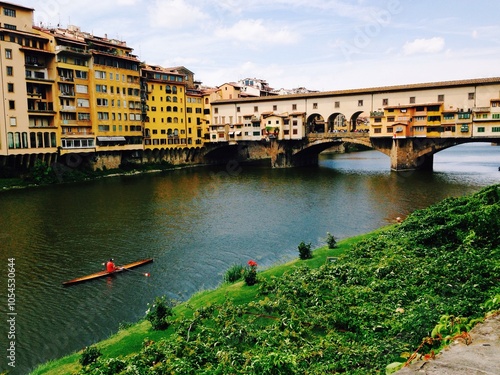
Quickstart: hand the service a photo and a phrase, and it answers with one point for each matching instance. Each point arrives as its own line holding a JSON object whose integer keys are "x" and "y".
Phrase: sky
{"x": 321, "y": 45}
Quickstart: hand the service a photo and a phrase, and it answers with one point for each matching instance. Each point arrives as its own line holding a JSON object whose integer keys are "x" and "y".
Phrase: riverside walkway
{"x": 479, "y": 357}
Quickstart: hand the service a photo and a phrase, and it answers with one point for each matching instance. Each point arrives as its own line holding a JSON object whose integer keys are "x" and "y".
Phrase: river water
{"x": 195, "y": 223}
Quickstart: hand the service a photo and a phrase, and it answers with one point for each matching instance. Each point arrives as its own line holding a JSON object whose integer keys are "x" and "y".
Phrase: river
{"x": 195, "y": 223}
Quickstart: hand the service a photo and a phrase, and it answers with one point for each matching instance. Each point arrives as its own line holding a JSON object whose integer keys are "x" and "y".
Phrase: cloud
{"x": 174, "y": 14}
{"x": 257, "y": 31}
{"x": 419, "y": 46}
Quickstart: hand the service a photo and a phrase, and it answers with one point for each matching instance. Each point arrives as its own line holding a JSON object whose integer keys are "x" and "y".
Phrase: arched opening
{"x": 360, "y": 122}
{"x": 337, "y": 123}
{"x": 315, "y": 124}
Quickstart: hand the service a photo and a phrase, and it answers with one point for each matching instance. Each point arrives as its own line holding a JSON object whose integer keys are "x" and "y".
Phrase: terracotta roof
{"x": 374, "y": 90}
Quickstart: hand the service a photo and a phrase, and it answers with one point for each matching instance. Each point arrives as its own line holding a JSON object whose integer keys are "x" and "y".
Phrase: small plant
{"x": 158, "y": 313}
{"x": 251, "y": 273}
{"x": 90, "y": 355}
{"x": 305, "y": 251}
{"x": 330, "y": 241}
{"x": 234, "y": 273}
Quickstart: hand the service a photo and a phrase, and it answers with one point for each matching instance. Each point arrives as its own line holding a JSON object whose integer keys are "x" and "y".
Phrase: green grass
{"x": 131, "y": 339}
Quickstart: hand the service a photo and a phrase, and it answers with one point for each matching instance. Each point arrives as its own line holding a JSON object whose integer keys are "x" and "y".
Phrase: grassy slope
{"x": 131, "y": 340}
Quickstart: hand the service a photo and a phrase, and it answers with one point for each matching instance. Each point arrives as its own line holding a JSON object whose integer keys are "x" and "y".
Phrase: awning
{"x": 238, "y": 133}
{"x": 111, "y": 139}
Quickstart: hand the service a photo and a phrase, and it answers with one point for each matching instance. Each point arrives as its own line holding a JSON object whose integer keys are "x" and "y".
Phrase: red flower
{"x": 252, "y": 263}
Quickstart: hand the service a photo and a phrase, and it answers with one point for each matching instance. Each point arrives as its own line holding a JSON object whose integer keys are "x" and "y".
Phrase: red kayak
{"x": 106, "y": 273}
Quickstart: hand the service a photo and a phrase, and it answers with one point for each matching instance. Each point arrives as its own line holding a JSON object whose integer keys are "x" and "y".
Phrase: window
{"x": 101, "y": 88}
{"x": 471, "y": 96}
{"x": 102, "y": 102}
{"x": 275, "y": 107}
{"x": 10, "y": 87}
{"x": 10, "y": 71}
{"x": 80, "y": 74}
{"x": 294, "y": 107}
{"x": 237, "y": 110}
{"x": 315, "y": 105}
{"x": 9, "y": 12}
{"x": 256, "y": 109}
{"x": 360, "y": 103}
{"x": 385, "y": 101}
{"x": 441, "y": 98}
{"x": 82, "y": 89}
{"x": 12, "y": 104}
{"x": 337, "y": 104}
{"x": 83, "y": 103}
{"x": 495, "y": 129}
{"x": 100, "y": 74}
{"x": 8, "y": 53}
{"x": 495, "y": 116}
{"x": 412, "y": 100}
{"x": 480, "y": 129}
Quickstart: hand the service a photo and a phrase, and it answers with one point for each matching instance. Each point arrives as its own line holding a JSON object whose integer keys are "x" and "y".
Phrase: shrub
{"x": 90, "y": 355}
{"x": 330, "y": 241}
{"x": 158, "y": 313}
{"x": 305, "y": 251}
{"x": 234, "y": 273}
{"x": 42, "y": 173}
{"x": 251, "y": 273}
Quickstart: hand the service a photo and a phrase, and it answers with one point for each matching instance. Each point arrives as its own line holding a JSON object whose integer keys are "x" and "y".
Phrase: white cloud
{"x": 256, "y": 31}
{"x": 418, "y": 46}
{"x": 174, "y": 14}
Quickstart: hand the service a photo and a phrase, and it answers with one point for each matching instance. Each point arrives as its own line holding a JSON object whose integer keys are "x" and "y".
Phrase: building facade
{"x": 27, "y": 87}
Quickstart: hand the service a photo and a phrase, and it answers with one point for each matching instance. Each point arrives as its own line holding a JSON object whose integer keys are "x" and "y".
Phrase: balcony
{"x": 79, "y": 51}
{"x": 40, "y": 106}
{"x": 481, "y": 109}
{"x": 377, "y": 114}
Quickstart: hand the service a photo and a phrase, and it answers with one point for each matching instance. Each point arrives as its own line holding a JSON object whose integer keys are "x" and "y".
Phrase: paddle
{"x": 147, "y": 274}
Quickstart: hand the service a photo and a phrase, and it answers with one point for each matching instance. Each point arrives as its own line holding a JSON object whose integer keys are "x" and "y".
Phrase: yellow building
{"x": 165, "y": 125}
{"x": 27, "y": 87}
{"x": 115, "y": 89}
{"x": 194, "y": 117}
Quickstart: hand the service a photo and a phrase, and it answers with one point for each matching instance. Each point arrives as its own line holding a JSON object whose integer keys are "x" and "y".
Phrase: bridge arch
{"x": 337, "y": 122}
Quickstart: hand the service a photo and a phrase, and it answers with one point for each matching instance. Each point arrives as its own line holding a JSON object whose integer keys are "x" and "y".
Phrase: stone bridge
{"x": 404, "y": 153}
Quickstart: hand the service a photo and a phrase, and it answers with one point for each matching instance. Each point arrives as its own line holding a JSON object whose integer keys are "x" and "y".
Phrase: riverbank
{"x": 366, "y": 306}
{"x": 53, "y": 178}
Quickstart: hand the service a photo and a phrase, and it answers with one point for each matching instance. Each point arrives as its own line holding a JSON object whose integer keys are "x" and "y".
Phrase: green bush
{"x": 158, "y": 313}
{"x": 42, "y": 173}
{"x": 305, "y": 251}
{"x": 330, "y": 241}
{"x": 90, "y": 355}
{"x": 234, "y": 273}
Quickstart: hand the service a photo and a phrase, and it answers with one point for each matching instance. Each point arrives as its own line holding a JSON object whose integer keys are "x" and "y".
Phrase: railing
{"x": 316, "y": 136}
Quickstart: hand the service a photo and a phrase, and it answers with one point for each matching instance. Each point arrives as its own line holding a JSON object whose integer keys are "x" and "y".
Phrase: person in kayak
{"x": 110, "y": 266}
